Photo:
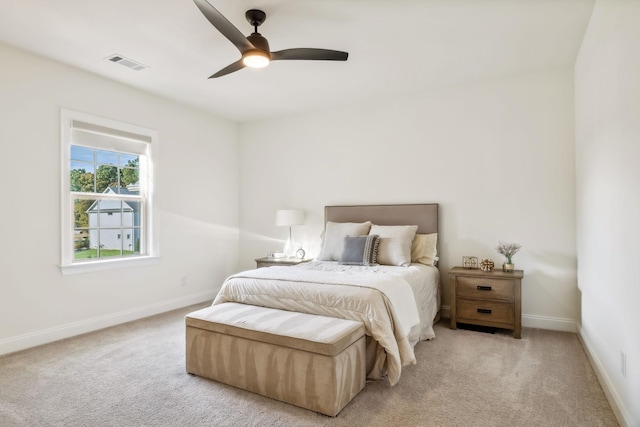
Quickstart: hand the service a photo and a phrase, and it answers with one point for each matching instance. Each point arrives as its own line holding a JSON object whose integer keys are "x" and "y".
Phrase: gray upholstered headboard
{"x": 425, "y": 216}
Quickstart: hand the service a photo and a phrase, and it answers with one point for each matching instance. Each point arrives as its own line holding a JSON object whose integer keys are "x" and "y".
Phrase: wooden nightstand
{"x": 486, "y": 298}
{"x": 269, "y": 262}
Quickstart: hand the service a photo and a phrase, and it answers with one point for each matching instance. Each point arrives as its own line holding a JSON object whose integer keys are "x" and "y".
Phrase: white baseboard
{"x": 551, "y": 323}
{"x": 619, "y": 409}
{"x": 532, "y": 321}
{"x": 32, "y": 339}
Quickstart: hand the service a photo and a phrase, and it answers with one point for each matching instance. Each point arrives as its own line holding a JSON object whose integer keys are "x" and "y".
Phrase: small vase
{"x": 508, "y": 267}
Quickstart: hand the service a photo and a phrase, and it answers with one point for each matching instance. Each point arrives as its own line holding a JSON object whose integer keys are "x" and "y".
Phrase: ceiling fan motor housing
{"x": 259, "y": 42}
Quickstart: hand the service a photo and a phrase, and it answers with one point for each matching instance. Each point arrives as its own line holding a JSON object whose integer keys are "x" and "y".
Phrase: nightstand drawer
{"x": 485, "y": 288}
{"x": 489, "y": 312}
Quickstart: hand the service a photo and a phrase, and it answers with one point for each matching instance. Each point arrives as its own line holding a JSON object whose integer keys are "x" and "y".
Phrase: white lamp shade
{"x": 289, "y": 217}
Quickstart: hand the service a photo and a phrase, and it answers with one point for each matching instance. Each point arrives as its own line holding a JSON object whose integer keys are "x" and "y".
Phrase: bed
{"x": 397, "y": 304}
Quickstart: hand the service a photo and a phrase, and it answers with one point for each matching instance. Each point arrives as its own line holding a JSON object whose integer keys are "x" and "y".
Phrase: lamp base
{"x": 290, "y": 248}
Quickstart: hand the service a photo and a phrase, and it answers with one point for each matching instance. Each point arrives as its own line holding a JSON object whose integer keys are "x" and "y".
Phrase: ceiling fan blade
{"x": 238, "y": 65}
{"x": 224, "y": 26}
{"x": 309, "y": 54}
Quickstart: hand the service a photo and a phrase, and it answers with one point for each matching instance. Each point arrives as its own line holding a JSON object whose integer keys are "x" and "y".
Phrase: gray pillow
{"x": 360, "y": 250}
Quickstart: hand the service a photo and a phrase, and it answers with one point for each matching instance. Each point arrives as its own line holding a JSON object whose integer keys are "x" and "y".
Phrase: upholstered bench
{"x": 314, "y": 362}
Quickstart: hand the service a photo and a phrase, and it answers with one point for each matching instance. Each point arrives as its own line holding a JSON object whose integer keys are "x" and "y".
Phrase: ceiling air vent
{"x": 129, "y": 63}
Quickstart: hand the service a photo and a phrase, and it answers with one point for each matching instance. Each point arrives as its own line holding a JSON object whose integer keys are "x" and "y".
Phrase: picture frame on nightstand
{"x": 470, "y": 262}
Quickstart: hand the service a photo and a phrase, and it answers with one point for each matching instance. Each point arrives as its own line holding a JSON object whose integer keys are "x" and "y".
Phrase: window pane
{"x": 138, "y": 228}
{"x": 81, "y": 243}
{"x": 130, "y": 160}
{"x": 130, "y": 212}
{"x": 110, "y": 213}
{"x": 110, "y": 218}
{"x": 129, "y": 237}
{"x": 85, "y": 239}
{"x": 82, "y": 153}
{"x": 107, "y": 157}
{"x": 110, "y": 243}
{"x": 129, "y": 179}
{"x": 85, "y": 244}
{"x": 83, "y": 166}
{"x": 106, "y": 176}
{"x": 82, "y": 178}
{"x": 81, "y": 210}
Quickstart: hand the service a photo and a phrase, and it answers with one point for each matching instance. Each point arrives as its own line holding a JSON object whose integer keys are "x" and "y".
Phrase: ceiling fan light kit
{"x": 256, "y": 59}
{"x": 255, "y": 49}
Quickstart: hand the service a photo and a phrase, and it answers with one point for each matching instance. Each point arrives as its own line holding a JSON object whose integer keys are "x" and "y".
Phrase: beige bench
{"x": 314, "y": 362}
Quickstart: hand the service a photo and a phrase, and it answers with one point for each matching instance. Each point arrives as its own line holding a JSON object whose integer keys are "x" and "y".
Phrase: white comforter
{"x": 382, "y": 301}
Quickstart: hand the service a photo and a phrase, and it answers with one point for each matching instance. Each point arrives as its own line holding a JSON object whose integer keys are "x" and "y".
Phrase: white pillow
{"x": 395, "y": 243}
{"x": 334, "y": 235}
{"x": 424, "y": 249}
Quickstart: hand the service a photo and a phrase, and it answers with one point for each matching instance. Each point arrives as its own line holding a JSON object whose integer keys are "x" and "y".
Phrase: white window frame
{"x": 110, "y": 135}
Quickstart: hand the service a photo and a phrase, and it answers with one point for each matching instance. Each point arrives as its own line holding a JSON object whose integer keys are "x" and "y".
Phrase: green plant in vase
{"x": 508, "y": 250}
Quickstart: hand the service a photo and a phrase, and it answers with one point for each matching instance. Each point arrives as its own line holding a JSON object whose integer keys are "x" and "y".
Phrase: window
{"x": 107, "y": 184}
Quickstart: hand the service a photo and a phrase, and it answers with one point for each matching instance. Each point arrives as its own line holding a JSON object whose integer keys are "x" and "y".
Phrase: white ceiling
{"x": 395, "y": 46}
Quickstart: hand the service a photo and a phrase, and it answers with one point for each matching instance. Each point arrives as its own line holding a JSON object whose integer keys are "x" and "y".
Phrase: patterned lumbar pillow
{"x": 360, "y": 250}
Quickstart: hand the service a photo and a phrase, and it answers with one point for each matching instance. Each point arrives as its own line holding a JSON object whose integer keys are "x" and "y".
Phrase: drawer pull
{"x": 484, "y": 311}
{"x": 483, "y": 288}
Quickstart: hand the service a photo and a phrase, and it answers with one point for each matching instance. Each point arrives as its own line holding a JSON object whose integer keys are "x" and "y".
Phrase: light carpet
{"x": 134, "y": 375}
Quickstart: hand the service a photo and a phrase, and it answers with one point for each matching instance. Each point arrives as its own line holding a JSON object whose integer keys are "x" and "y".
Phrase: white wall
{"x": 497, "y": 156}
{"x": 197, "y": 204}
{"x": 607, "y": 80}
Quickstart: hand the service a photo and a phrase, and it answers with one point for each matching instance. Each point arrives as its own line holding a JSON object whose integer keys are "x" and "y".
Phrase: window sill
{"x": 105, "y": 265}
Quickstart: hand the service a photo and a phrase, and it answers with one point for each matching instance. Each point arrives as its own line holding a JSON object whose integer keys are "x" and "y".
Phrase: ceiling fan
{"x": 255, "y": 48}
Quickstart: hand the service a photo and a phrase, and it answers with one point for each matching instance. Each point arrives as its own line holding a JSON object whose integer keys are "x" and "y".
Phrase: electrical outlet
{"x": 183, "y": 281}
{"x": 623, "y": 364}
